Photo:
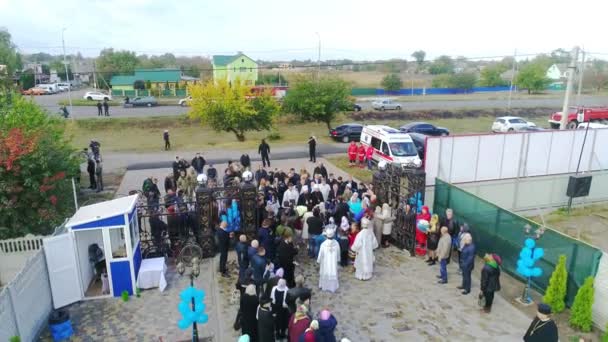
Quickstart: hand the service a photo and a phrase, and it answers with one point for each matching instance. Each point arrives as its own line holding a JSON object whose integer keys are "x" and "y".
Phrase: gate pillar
{"x": 205, "y": 205}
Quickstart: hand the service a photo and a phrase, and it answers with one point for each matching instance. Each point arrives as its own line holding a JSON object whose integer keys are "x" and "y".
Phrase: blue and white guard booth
{"x": 113, "y": 227}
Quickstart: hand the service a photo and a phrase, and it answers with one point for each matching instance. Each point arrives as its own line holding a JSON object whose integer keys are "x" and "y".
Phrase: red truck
{"x": 578, "y": 115}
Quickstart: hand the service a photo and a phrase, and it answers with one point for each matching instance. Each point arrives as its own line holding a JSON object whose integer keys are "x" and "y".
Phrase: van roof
{"x": 386, "y": 131}
{"x": 383, "y": 129}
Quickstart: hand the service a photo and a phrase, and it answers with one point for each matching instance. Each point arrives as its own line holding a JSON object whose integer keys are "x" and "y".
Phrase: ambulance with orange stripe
{"x": 391, "y": 145}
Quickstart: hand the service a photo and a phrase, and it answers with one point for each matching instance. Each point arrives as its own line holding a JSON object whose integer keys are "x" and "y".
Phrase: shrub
{"x": 125, "y": 296}
{"x": 580, "y": 314}
{"x": 556, "y": 292}
{"x": 274, "y": 135}
{"x": 15, "y": 339}
{"x": 605, "y": 336}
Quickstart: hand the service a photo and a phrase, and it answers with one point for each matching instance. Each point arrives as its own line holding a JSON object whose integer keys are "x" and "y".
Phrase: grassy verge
{"x": 341, "y": 162}
{"x": 145, "y": 134}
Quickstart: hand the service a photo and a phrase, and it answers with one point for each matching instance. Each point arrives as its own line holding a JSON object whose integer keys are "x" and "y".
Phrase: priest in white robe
{"x": 364, "y": 246}
{"x": 328, "y": 259}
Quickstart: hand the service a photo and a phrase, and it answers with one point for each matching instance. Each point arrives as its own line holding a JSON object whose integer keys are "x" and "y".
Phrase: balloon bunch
{"x": 356, "y": 209}
{"x": 190, "y": 316}
{"x": 416, "y": 201}
{"x": 422, "y": 225}
{"x": 232, "y": 217}
{"x": 527, "y": 257}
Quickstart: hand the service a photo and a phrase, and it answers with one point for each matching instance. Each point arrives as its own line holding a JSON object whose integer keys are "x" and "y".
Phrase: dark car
{"x": 356, "y": 107}
{"x": 424, "y": 128}
{"x": 147, "y": 101}
{"x": 347, "y": 132}
{"x": 420, "y": 143}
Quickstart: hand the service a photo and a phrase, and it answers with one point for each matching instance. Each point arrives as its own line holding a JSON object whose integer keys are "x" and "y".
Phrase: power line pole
{"x": 67, "y": 75}
{"x": 95, "y": 73}
{"x": 512, "y": 78}
{"x": 581, "y": 73}
{"x": 571, "y": 71}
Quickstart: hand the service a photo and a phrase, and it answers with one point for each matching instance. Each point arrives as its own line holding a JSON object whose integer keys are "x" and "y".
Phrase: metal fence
{"x": 152, "y": 92}
{"x": 425, "y": 91}
{"x": 26, "y": 302}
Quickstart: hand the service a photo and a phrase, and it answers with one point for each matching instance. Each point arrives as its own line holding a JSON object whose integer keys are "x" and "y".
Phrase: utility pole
{"x": 95, "y": 73}
{"x": 571, "y": 70}
{"x": 319, "y": 57}
{"x": 581, "y": 73}
{"x": 512, "y": 79}
{"x": 67, "y": 75}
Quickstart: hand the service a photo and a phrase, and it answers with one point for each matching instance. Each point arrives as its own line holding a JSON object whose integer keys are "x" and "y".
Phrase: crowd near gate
{"x": 497, "y": 230}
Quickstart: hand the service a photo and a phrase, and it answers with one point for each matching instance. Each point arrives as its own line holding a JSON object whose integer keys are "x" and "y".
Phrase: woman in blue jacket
{"x": 327, "y": 327}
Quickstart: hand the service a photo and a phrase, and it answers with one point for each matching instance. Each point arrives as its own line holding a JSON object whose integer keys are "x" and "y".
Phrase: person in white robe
{"x": 328, "y": 259}
{"x": 364, "y": 246}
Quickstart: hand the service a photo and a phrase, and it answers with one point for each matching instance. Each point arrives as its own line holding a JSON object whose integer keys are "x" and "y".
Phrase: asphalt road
{"x": 79, "y": 112}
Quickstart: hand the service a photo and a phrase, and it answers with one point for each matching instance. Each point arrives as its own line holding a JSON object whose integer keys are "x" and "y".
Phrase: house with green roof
{"x": 235, "y": 67}
{"x": 165, "y": 79}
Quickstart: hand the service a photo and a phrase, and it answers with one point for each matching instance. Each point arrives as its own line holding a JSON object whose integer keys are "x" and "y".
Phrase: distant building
{"x": 285, "y": 66}
{"x": 556, "y": 72}
{"x": 158, "y": 79}
{"x": 235, "y": 67}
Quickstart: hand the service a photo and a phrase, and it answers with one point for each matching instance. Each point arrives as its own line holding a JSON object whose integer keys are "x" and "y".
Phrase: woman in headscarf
{"x": 273, "y": 281}
{"x": 311, "y": 334}
{"x": 490, "y": 280}
{"x": 387, "y": 227}
{"x": 249, "y": 307}
{"x": 298, "y": 323}
{"x": 378, "y": 223}
{"x": 327, "y": 326}
{"x": 433, "y": 235}
{"x": 278, "y": 296}
{"x": 425, "y": 215}
{"x": 266, "y": 331}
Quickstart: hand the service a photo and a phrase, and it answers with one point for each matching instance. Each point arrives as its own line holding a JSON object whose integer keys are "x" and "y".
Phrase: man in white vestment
{"x": 328, "y": 259}
{"x": 364, "y": 246}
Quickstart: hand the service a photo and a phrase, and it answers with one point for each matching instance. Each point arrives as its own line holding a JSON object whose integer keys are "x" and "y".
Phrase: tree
{"x": 581, "y": 311}
{"x": 605, "y": 336}
{"x": 560, "y": 56}
{"x": 490, "y": 76}
{"x": 391, "y": 82}
{"x": 229, "y": 107}
{"x": 26, "y": 79}
{"x": 596, "y": 77}
{"x": 465, "y": 80}
{"x": 112, "y": 62}
{"x": 442, "y": 65}
{"x": 36, "y": 163}
{"x": 441, "y": 81}
{"x": 318, "y": 99}
{"x": 555, "y": 295}
{"x": 532, "y": 76}
{"x": 419, "y": 57}
{"x": 8, "y": 57}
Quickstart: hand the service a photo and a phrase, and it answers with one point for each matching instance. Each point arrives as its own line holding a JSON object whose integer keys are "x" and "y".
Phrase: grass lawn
{"x": 87, "y": 103}
{"x": 341, "y": 162}
{"x": 145, "y": 134}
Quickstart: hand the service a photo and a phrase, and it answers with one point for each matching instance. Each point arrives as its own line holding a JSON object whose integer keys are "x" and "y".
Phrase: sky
{"x": 286, "y": 30}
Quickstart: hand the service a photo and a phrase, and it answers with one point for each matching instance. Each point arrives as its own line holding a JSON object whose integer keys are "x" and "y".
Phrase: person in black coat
{"x": 245, "y": 161}
{"x": 91, "y": 171}
{"x": 467, "y": 262}
{"x": 320, "y": 170}
{"x": 312, "y": 148}
{"x": 264, "y": 151}
{"x": 170, "y": 184}
{"x": 198, "y": 163}
{"x": 265, "y": 321}
{"x": 542, "y": 328}
{"x": 166, "y": 139}
{"x": 342, "y": 209}
{"x": 106, "y": 108}
{"x": 278, "y": 295}
{"x": 248, "y": 313}
{"x": 299, "y": 293}
{"x": 99, "y": 109}
{"x": 490, "y": 280}
{"x": 261, "y": 173}
{"x": 223, "y": 246}
{"x": 157, "y": 227}
{"x": 286, "y": 252}
{"x": 211, "y": 172}
{"x": 175, "y": 167}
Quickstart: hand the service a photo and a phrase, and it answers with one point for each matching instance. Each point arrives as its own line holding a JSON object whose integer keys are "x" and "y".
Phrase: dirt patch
{"x": 452, "y": 114}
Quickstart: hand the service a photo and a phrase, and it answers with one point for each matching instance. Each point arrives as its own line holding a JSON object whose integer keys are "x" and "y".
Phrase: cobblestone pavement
{"x": 402, "y": 302}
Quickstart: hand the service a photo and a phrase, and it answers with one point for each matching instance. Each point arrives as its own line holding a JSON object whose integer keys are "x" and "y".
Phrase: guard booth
{"x": 98, "y": 254}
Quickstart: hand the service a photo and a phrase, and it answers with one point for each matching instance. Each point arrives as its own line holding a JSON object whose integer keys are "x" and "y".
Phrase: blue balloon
{"x": 183, "y": 324}
{"x": 528, "y": 262}
{"x": 530, "y": 243}
{"x": 526, "y": 253}
{"x": 537, "y": 272}
{"x": 204, "y": 318}
{"x": 538, "y": 253}
{"x": 520, "y": 263}
{"x": 520, "y": 270}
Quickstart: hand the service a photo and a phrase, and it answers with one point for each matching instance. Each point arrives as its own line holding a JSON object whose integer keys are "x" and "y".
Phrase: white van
{"x": 50, "y": 88}
{"x": 63, "y": 86}
{"x": 391, "y": 145}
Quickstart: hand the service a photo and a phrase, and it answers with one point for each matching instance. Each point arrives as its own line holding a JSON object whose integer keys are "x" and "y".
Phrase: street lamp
{"x": 195, "y": 271}
{"x": 67, "y": 76}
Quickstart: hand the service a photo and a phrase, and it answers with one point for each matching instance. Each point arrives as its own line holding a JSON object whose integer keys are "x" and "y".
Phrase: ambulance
{"x": 391, "y": 145}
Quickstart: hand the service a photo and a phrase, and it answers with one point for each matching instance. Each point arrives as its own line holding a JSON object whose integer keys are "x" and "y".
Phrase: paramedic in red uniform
{"x": 352, "y": 153}
{"x": 362, "y": 153}
{"x": 369, "y": 153}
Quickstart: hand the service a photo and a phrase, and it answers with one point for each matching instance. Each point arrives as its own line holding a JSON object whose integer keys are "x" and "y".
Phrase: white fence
{"x": 14, "y": 253}
{"x": 472, "y": 158}
{"x": 600, "y": 304}
{"x": 26, "y": 302}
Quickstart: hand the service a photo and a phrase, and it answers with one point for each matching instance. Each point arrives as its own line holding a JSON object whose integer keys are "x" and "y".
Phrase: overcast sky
{"x": 284, "y": 29}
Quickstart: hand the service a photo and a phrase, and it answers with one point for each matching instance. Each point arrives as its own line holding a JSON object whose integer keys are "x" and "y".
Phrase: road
{"x": 80, "y": 112}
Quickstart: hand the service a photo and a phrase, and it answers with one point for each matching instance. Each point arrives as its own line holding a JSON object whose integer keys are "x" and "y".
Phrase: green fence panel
{"x": 116, "y": 92}
{"x": 496, "y": 230}
{"x": 130, "y": 93}
{"x": 167, "y": 92}
{"x": 180, "y": 92}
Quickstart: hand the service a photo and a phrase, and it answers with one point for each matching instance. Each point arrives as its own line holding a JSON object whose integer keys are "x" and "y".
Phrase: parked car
{"x": 347, "y": 132}
{"x": 97, "y": 96}
{"x": 424, "y": 128}
{"x": 510, "y": 124}
{"x": 385, "y": 104}
{"x": 357, "y": 107}
{"x": 592, "y": 125}
{"x": 147, "y": 101}
{"x": 51, "y": 88}
{"x": 185, "y": 101}
{"x": 420, "y": 143}
{"x": 63, "y": 86}
{"x": 35, "y": 91}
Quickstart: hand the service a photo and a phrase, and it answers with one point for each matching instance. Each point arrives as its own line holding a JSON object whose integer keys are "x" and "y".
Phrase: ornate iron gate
{"x": 397, "y": 187}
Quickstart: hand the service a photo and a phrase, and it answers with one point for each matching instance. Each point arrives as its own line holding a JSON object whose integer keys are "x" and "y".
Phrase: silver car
{"x": 386, "y": 104}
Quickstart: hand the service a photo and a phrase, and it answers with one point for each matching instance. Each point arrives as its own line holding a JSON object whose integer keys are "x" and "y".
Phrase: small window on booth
{"x": 134, "y": 232}
{"x": 117, "y": 243}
